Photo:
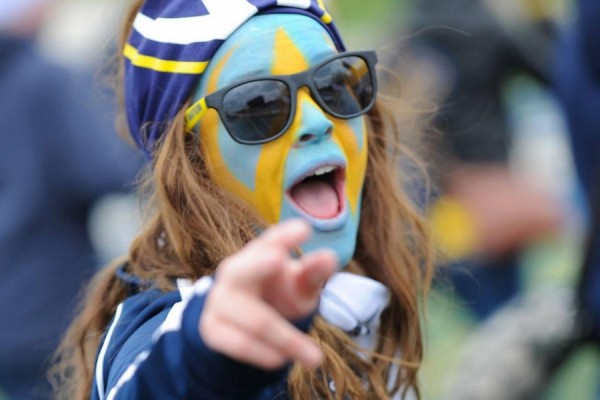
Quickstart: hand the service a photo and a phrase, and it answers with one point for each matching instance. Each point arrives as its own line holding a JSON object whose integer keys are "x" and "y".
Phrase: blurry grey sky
{"x": 77, "y": 32}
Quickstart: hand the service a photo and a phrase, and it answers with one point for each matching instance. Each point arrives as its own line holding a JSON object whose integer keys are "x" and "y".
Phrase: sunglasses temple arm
{"x": 195, "y": 113}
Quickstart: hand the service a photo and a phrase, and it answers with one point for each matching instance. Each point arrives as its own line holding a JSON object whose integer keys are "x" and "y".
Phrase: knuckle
{"x": 217, "y": 293}
{"x": 226, "y": 265}
{"x": 269, "y": 233}
{"x": 291, "y": 342}
{"x": 210, "y": 334}
{"x": 300, "y": 309}
{"x": 260, "y": 323}
{"x": 272, "y": 258}
{"x": 238, "y": 345}
{"x": 272, "y": 363}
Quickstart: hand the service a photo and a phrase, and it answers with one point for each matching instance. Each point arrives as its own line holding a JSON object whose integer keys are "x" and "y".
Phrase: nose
{"x": 313, "y": 124}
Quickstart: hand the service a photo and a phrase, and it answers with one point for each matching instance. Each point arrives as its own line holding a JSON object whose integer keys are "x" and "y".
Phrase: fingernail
{"x": 298, "y": 223}
{"x": 317, "y": 279}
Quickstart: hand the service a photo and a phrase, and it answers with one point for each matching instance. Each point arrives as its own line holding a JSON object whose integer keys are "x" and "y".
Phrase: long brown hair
{"x": 195, "y": 224}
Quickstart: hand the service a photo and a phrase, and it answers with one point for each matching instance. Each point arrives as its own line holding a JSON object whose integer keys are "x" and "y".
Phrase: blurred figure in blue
{"x": 59, "y": 155}
{"x": 577, "y": 78}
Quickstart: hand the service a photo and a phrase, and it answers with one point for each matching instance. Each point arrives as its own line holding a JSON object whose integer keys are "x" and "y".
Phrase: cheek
{"x": 270, "y": 175}
{"x": 351, "y": 136}
{"x": 209, "y": 139}
{"x": 221, "y": 154}
{"x": 254, "y": 173}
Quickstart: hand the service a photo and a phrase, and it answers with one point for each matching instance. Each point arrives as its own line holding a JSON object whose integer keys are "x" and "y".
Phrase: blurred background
{"x": 66, "y": 178}
{"x": 482, "y": 100}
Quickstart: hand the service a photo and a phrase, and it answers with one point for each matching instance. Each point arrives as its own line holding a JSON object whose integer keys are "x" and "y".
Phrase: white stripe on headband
{"x": 223, "y": 18}
{"x": 294, "y": 3}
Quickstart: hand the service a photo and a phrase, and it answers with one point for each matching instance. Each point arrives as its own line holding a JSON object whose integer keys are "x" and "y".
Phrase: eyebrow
{"x": 323, "y": 55}
{"x": 250, "y": 74}
{"x": 261, "y": 73}
{"x": 249, "y": 71}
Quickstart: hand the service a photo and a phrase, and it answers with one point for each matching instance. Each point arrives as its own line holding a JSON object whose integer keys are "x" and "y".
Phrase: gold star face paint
{"x": 315, "y": 170}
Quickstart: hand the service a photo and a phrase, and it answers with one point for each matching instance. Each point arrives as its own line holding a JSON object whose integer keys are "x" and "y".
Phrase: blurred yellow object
{"x": 543, "y": 9}
{"x": 454, "y": 228}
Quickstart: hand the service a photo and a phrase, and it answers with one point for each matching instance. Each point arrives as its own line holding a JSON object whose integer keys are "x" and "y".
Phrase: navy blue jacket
{"x": 577, "y": 76}
{"x": 152, "y": 350}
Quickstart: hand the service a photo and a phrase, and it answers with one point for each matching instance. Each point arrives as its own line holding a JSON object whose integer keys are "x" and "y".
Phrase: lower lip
{"x": 324, "y": 225}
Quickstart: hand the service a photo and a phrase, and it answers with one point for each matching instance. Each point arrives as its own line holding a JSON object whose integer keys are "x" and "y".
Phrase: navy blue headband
{"x": 171, "y": 44}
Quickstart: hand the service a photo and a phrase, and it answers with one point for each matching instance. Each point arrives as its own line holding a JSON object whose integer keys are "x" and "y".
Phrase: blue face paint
{"x": 315, "y": 171}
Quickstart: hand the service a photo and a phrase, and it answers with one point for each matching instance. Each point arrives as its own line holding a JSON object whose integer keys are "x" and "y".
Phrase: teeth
{"x": 324, "y": 170}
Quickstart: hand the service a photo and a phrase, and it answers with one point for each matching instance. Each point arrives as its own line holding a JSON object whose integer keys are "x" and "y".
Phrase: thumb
{"x": 315, "y": 269}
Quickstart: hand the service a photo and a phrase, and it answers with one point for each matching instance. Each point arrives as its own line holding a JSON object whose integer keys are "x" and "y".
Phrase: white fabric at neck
{"x": 354, "y": 304}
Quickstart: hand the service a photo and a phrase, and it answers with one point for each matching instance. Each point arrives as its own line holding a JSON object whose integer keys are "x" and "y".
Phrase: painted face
{"x": 316, "y": 169}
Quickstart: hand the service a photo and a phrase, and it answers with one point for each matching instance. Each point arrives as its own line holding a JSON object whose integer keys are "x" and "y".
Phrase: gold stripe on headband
{"x": 158, "y": 65}
{"x": 326, "y": 16}
{"x": 194, "y": 113}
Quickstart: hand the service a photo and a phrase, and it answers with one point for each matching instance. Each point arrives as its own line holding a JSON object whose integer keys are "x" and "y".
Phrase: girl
{"x": 274, "y": 194}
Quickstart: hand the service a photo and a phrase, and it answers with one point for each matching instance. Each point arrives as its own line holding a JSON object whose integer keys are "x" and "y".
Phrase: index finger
{"x": 264, "y": 257}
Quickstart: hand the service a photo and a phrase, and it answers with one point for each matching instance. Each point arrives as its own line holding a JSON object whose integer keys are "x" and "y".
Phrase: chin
{"x": 342, "y": 242}
{"x": 334, "y": 235}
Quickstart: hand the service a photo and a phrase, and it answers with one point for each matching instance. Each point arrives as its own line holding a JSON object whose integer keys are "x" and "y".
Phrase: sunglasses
{"x": 259, "y": 110}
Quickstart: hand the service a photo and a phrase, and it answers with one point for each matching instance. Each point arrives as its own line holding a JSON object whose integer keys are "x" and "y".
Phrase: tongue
{"x": 317, "y": 198}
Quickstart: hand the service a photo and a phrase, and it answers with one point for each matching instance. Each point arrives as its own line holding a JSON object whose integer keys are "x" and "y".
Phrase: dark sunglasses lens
{"x": 256, "y": 111}
{"x": 345, "y": 85}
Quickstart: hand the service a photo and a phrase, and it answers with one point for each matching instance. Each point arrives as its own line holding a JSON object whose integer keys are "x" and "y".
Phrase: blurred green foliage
{"x": 449, "y": 323}
{"x": 370, "y": 23}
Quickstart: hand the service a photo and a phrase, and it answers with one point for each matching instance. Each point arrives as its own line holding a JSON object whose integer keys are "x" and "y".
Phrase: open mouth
{"x": 319, "y": 195}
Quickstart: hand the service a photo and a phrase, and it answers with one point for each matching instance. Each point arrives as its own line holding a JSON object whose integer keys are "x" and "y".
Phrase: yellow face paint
{"x": 209, "y": 137}
{"x": 287, "y": 59}
{"x": 355, "y": 172}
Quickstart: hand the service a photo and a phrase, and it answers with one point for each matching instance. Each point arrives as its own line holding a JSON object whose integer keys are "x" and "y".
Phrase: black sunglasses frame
{"x": 294, "y": 82}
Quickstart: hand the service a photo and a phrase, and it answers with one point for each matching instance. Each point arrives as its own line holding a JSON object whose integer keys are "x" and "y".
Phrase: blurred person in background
{"x": 60, "y": 155}
{"x": 484, "y": 215}
{"x": 524, "y": 344}
{"x": 520, "y": 350}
